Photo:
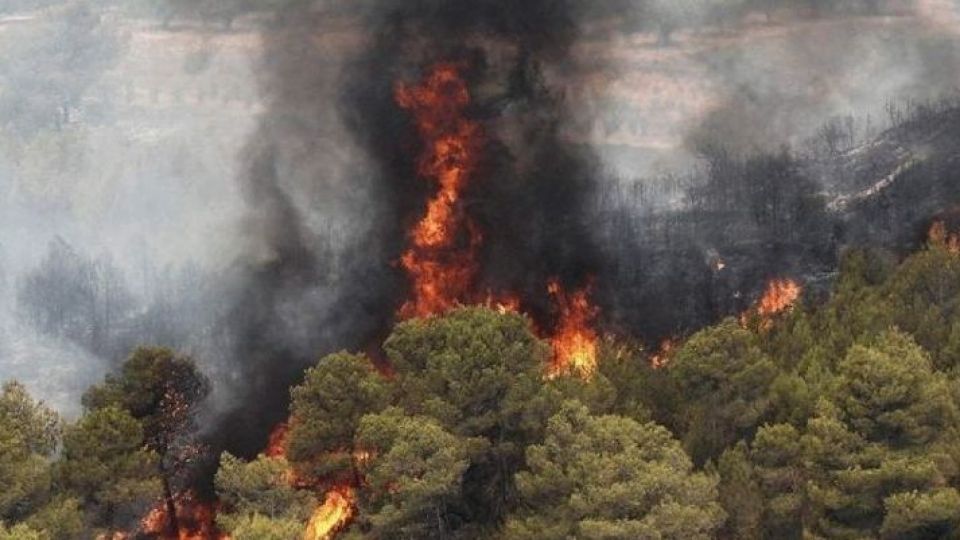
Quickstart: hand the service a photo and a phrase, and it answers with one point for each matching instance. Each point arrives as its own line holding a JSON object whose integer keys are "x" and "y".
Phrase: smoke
{"x": 253, "y": 186}
{"x": 108, "y": 158}
{"x": 332, "y": 184}
{"x": 782, "y": 87}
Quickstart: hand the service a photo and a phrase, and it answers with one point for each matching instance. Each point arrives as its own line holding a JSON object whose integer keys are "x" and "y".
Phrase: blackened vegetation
{"x": 923, "y": 183}
{"x": 740, "y": 223}
{"x": 79, "y": 299}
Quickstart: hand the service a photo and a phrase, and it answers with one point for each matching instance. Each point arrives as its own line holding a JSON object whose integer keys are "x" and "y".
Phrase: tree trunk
{"x": 172, "y": 522}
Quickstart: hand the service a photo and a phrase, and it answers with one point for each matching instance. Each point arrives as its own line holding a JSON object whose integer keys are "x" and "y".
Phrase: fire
{"x": 196, "y": 520}
{"x": 780, "y": 296}
{"x": 339, "y": 504}
{"x": 442, "y": 258}
{"x": 440, "y": 266}
{"x": 333, "y": 515}
{"x": 662, "y": 356}
{"x": 503, "y": 304}
{"x": 277, "y": 443}
{"x": 939, "y": 236}
{"x": 574, "y": 341}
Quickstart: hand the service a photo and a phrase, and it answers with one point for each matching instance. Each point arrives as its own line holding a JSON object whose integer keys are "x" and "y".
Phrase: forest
{"x": 831, "y": 419}
{"x": 308, "y": 269}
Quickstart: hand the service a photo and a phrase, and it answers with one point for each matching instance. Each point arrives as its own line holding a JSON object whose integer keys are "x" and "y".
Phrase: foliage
{"x": 37, "y": 426}
{"x": 28, "y": 435}
{"x": 924, "y": 300}
{"x": 259, "y": 494}
{"x": 611, "y": 477}
{"x": 724, "y": 377}
{"x": 474, "y": 370}
{"x": 105, "y": 466}
{"x": 416, "y": 475}
{"x": 889, "y": 393}
{"x": 260, "y": 527}
{"x": 162, "y": 391}
{"x": 327, "y": 408}
{"x": 479, "y": 374}
{"x": 62, "y": 518}
{"x": 838, "y": 419}
{"x": 921, "y": 515}
{"x": 642, "y": 392}
{"x": 19, "y": 532}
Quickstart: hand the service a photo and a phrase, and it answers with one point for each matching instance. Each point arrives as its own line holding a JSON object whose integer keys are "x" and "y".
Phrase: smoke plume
{"x": 244, "y": 194}
{"x": 328, "y": 283}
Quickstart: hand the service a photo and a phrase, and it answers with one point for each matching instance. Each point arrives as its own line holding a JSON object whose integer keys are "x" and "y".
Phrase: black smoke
{"x": 327, "y": 223}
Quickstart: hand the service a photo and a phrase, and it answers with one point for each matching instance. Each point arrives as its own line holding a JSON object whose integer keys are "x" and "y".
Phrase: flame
{"x": 339, "y": 505}
{"x": 662, "y": 356}
{"x": 939, "y": 236}
{"x": 277, "y": 443}
{"x": 440, "y": 267}
{"x": 503, "y": 304}
{"x": 333, "y": 515}
{"x": 780, "y": 296}
{"x": 196, "y": 519}
{"x": 442, "y": 258}
{"x": 574, "y": 341}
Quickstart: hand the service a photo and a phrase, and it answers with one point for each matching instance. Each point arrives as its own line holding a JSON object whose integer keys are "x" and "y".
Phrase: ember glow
{"x": 277, "y": 443}
{"x": 333, "y": 515}
{"x": 940, "y": 236}
{"x": 661, "y": 358}
{"x": 574, "y": 341}
{"x": 441, "y": 261}
{"x": 195, "y": 520}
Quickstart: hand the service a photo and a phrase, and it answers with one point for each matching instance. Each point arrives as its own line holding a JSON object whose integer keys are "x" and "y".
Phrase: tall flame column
{"x": 442, "y": 258}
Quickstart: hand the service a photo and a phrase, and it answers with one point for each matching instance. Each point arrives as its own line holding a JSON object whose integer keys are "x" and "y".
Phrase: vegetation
{"x": 839, "y": 419}
{"x": 106, "y": 471}
{"x": 264, "y": 505}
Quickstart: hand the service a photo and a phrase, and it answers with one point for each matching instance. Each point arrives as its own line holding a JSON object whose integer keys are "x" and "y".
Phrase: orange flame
{"x": 780, "y": 296}
{"x": 440, "y": 267}
{"x": 442, "y": 259}
{"x": 333, "y": 515}
{"x": 574, "y": 341}
{"x": 339, "y": 505}
{"x": 939, "y": 236}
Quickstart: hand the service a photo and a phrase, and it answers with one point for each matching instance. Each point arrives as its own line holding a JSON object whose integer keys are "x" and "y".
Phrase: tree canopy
{"x": 836, "y": 419}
